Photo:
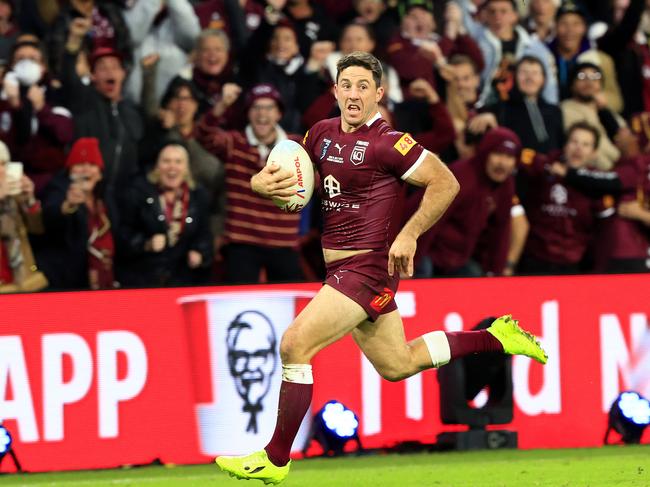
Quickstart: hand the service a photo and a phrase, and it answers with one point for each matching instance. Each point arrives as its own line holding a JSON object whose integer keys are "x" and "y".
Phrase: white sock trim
{"x": 297, "y": 373}
{"x": 438, "y": 346}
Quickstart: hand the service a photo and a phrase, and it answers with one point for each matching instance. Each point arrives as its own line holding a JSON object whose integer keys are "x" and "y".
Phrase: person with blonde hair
{"x": 20, "y": 214}
{"x": 165, "y": 230}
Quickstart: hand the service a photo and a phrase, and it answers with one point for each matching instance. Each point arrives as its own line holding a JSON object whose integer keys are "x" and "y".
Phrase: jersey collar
{"x": 376, "y": 117}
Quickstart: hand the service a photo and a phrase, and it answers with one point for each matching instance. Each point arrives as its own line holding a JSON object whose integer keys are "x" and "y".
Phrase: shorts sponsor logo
{"x": 323, "y": 147}
{"x": 380, "y": 301}
{"x": 358, "y": 154}
{"x": 404, "y": 144}
{"x": 331, "y": 186}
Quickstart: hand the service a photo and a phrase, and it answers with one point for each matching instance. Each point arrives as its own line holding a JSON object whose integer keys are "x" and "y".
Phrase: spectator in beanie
{"x": 176, "y": 121}
{"x": 588, "y": 104}
{"x": 79, "y": 247}
{"x": 101, "y": 111}
{"x": 101, "y": 24}
{"x": 32, "y": 120}
{"x": 562, "y": 219}
{"x": 480, "y": 214}
{"x": 167, "y": 30}
{"x": 237, "y": 18}
{"x": 258, "y": 236}
{"x": 20, "y": 214}
{"x": 166, "y": 231}
{"x": 537, "y": 122}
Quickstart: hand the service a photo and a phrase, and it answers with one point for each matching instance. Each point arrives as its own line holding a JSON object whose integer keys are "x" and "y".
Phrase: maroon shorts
{"x": 364, "y": 279}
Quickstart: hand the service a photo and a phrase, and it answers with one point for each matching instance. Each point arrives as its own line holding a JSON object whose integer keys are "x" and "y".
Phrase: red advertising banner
{"x": 101, "y": 379}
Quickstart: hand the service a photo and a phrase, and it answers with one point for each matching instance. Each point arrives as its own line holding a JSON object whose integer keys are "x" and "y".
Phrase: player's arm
{"x": 441, "y": 188}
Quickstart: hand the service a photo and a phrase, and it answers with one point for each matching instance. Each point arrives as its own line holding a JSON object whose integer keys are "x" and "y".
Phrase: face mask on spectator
{"x": 28, "y": 72}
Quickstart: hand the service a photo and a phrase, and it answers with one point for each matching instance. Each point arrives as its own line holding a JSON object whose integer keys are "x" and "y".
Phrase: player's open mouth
{"x": 354, "y": 108}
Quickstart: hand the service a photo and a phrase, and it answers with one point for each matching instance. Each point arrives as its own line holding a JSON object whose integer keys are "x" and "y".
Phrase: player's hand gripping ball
{"x": 293, "y": 157}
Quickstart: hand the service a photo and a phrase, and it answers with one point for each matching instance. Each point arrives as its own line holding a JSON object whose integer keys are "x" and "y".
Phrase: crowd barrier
{"x": 101, "y": 379}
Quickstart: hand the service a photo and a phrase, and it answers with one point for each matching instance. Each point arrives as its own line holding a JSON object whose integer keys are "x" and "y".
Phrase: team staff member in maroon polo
{"x": 363, "y": 164}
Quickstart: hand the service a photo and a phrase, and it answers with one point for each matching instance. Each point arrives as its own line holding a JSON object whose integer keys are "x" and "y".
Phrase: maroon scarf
{"x": 101, "y": 248}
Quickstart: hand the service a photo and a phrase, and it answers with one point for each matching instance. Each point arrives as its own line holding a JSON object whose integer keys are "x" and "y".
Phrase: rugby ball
{"x": 293, "y": 157}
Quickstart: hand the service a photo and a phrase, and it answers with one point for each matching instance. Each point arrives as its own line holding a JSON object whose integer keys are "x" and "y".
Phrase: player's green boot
{"x": 516, "y": 341}
{"x": 254, "y": 466}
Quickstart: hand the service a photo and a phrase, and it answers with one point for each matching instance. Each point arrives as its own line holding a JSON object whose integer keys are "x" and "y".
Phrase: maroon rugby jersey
{"x": 361, "y": 181}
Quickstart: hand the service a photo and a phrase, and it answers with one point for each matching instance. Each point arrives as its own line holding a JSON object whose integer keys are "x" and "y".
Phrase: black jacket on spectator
{"x": 513, "y": 114}
{"x": 62, "y": 252}
{"x": 142, "y": 219}
{"x": 118, "y": 126}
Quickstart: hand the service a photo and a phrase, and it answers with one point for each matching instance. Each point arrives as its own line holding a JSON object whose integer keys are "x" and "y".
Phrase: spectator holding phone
{"x": 20, "y": 214}
{"x": 80, "y": 248}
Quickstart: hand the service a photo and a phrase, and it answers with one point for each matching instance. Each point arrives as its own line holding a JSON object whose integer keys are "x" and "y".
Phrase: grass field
{"x": 620, "y": 466}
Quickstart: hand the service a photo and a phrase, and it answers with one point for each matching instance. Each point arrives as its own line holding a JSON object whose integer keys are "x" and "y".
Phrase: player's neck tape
{"x": 297, "y": 373}
{"x": 438, "y": 346}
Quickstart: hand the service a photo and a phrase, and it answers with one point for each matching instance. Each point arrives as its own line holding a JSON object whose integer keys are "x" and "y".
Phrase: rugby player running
{"x": 363, "y": 164}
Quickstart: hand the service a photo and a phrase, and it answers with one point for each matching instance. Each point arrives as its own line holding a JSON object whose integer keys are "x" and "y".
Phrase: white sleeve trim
{"x": 64, "y": 112}
{"x": 415, "y": 165}
{"x": 517, "y": 210}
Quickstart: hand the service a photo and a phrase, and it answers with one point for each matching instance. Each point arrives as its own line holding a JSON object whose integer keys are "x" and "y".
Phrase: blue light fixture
{"x": 629, "y": 416}
{"x": 333, "y": 426}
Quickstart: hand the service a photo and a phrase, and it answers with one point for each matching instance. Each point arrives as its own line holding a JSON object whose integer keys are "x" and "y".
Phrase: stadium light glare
{"x": 628, "y": 416}
{"x": 332, "y": 427}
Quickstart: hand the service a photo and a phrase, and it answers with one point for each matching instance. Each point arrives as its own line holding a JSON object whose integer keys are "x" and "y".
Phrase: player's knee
{"x": 291, "y": 351}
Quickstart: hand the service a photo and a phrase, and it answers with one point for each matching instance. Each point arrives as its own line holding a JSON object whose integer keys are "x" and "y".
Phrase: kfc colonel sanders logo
{"x": 252, "y": 344}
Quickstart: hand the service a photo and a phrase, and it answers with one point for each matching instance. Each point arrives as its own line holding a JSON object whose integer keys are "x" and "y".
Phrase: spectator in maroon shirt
{"x": 562, "y": 219}
{"x": 258, "y": 236}
{"x": 32, "y": 121}
{"x": 480, "y": 214}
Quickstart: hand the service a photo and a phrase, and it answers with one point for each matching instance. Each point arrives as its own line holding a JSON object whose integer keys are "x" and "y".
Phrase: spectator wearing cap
{"x": 572, "y": 46}
{"x": 176, "y": 121}
{"x": 503, "y": 42}
{"x": 281, "y": 64}
{"x": 237, "y": 18}
{"x": 541, "y": 19}
{"x": 537, "y": 122}
{"x": 101, "y": 111}
{"x": 417, "y": 51}
{"x": 33, "y": 121}
{"x": 163, "y": 33}
{"x": 20, "y": 215}
{"x": 258, "y": 236}
{"x": 588, "y": 104}
{"x": 478, "y": 220}
{"x": 166, "y": 231}
{"x": 100, "y": 24}
{"x": 562, "y": 219}
{"x": 78, "y": 251}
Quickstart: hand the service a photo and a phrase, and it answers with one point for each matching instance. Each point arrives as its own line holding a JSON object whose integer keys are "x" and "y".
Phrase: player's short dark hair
{"x": 364, "y": 60}
{"x": 586, "y": 126}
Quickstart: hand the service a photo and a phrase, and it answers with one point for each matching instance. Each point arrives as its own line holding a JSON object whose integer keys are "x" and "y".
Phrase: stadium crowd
{"x": 139, "y": 123}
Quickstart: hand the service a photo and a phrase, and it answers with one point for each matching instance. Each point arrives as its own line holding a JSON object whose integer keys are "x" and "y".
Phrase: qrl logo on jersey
{"x": 380, "y": 301}
{"x": 358, "y": 153}
{"x": 332, "y": 186}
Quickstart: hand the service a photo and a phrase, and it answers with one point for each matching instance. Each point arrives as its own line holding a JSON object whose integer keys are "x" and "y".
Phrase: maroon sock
{"x": 294, "y": 403}
{"x": 463, "y": 343}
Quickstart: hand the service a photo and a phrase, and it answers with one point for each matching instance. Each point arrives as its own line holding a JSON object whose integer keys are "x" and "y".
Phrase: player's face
{"x": 499, "y": 167}
{"x": 580, "y": 148}
{"x": 357, "y": 96}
